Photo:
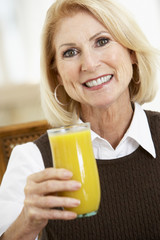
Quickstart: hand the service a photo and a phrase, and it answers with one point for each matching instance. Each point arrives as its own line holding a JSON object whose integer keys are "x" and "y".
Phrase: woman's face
{"x": 94, "y": 69}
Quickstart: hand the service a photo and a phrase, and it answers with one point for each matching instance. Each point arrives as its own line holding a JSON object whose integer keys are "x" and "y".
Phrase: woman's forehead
{"x": 79, "y": 23}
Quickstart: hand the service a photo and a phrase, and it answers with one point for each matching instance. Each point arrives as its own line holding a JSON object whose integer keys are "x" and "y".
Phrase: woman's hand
{"x": 40, "y": 200}
{"x": 41, "y": 197}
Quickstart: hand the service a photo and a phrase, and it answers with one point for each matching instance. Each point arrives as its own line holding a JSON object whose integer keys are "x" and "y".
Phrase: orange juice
{"x": 72, "y": 150}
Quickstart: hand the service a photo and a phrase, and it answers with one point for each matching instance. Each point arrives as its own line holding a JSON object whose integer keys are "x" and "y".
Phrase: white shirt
{"x": 26, "y": 159}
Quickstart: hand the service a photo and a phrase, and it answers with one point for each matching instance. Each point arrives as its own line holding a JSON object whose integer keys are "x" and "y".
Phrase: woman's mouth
{"x": 98, "y": 81}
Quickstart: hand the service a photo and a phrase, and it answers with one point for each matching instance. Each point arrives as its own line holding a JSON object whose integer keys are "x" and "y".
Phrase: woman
{"x": 97, "y": 67}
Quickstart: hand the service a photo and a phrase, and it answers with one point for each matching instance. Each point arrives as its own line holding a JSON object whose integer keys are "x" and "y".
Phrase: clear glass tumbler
{"x": 71, "y": 149}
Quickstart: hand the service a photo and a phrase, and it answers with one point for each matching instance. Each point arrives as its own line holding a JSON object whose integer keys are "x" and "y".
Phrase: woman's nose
{"x": 89, "y": 62}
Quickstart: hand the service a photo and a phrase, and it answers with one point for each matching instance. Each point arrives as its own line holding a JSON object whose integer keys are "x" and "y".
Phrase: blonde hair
{"x": 124, "y": 30}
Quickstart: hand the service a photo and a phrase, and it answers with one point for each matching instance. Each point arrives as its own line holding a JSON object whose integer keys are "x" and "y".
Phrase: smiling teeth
{"x": 99, "y": 81}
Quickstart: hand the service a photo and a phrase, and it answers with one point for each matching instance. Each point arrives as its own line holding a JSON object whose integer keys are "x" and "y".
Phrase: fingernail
{"x": 71, "y": 215}
{"x": 76, "y": 202}
{"x": 76, "y": 185}
{"x": 67, "y": 174}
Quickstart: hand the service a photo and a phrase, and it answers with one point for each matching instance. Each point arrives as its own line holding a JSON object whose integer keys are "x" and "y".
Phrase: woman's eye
{"x": 70, "y": 53}
{"x": 102, "y": 42}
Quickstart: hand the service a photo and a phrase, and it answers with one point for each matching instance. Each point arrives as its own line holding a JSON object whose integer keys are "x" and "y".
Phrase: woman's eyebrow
{"x": 67, "y": 44}
{"x": 73, "y": 44}
{"x": 97, "y": 34}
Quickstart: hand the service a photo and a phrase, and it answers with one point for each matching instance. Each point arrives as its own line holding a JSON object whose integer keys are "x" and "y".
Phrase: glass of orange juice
{"x": 71, "y": 149}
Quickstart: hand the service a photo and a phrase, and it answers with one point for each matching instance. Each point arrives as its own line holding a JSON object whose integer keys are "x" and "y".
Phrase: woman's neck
{"x": 110, "y": 123}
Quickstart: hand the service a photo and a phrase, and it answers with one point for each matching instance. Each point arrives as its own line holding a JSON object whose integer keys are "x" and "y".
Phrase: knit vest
{"x": 130, "y": 197}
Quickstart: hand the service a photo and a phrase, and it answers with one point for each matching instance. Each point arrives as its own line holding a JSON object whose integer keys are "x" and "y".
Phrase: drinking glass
{"x": 71, "y": 149}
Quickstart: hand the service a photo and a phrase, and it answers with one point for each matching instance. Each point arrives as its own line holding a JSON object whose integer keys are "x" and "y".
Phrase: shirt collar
{"x": 142, "y": 136}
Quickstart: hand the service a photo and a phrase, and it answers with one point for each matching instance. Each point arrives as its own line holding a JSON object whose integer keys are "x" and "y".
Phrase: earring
{"x": 55, "y": 95}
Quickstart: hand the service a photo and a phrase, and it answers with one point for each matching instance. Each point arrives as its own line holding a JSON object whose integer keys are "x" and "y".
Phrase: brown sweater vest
{"x": 130, "y": 200}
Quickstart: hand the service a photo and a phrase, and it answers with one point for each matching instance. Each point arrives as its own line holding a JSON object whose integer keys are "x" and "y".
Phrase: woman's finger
{"x": 39, "y": 215}
{"x": 51, "y": 186}
{"x": 50, "y": 173}
{"x": 52, "y": 202}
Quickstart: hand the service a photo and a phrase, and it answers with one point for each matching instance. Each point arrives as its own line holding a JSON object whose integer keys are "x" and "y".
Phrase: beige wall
{"x": 20, "y": 103}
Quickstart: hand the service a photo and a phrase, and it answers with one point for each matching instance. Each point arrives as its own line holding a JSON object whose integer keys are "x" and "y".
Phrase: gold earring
{"x": 55, "y": 95}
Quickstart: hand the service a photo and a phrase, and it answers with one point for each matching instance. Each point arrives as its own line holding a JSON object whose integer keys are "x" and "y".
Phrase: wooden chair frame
{"x": 10, "y": 136}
